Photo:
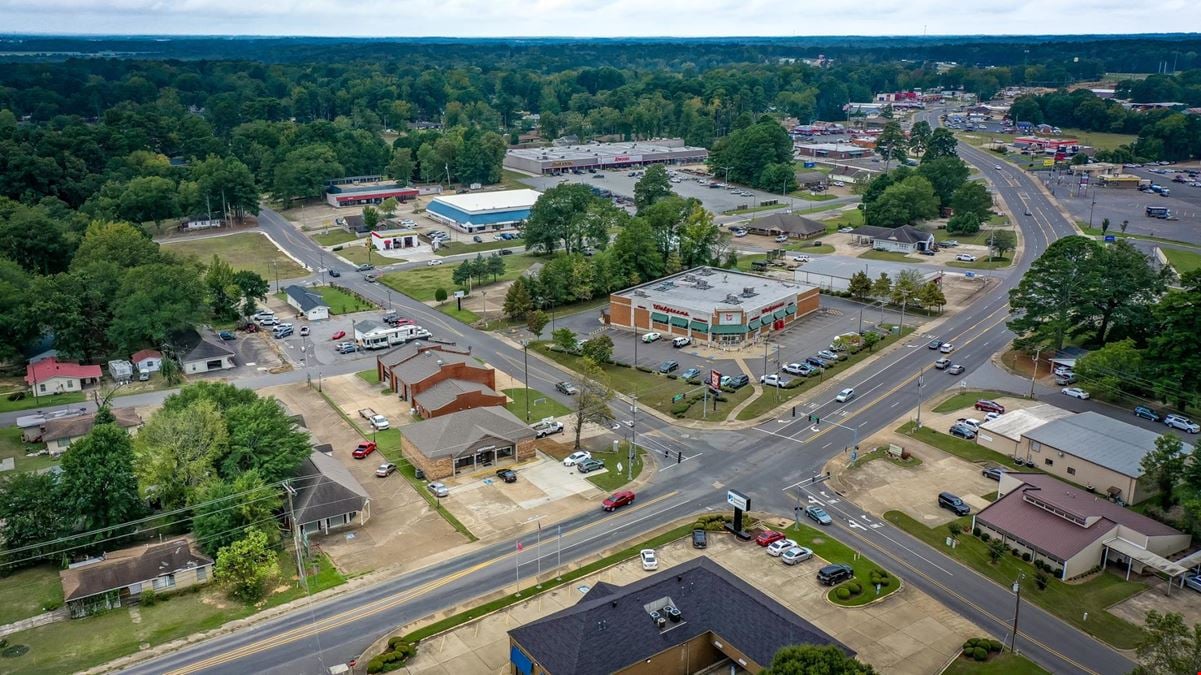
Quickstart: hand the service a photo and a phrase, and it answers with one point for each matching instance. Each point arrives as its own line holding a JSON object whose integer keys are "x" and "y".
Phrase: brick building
{"x": 438, "y": 379}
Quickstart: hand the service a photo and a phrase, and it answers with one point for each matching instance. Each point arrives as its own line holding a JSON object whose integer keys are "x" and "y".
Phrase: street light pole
{"x": 525, "y": 355}
{"x": 1037, "y": 353}
{"x": 920, "y": 377}
{"x": 633, "y": 439}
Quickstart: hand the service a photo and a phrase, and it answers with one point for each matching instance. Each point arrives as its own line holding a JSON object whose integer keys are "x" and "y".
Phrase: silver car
{"x": 438, "y": 489}
{"x": 795, "y": 555}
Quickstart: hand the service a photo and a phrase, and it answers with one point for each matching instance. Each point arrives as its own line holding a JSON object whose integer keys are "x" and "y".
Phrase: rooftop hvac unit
{"x": 690, "y": 278}
{"x": 748, "y": 292}
{"x": 703, "y": 285}
{"x": 673, "y": 613}
{"x": 733, "y": 299}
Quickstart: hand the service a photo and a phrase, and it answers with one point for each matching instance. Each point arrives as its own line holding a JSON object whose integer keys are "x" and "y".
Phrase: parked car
{"x": 962, "y": 431}
{"x": 1146, "y": 413}
{"x": 304, "y": 330}
{"x": 505, "y": 251}
{"x": 801, "y": 369}
{"x": 1193, "y": 581}
{"x": 338, "y": 335}
{"x": 566, "y": 388}
{"x": 984, "y": 405}
{"x": 650, "y": 337}
{"x": 363, "y": 449}
{"x": 845, "y": 395}
{"x": 618, "y": 499}
{"x": 779, "y": 546}
{"x": 477, "y": 239}
{"x": 768, "y": 537}
{"x": 735, "y": 381}
{"x": 1181, "y": 422}
{"x": 439, "y": 489}
{"x": 590, "y": 465}
{"x": 830, "y": 356}
{"x": 943, "y": 363}
{"x": 347, "y": 348}
{"x": 282, "y": 331}
{"x": 1075, "y": 392}
{"x": 965, "y": 257}
{"x": 818, "y": 515}
{"x": 682, "y": 341}
{"x": 668, "y": 366}
{"x": 834, "y": 574}
{"x": 970, "y": 423}
{"x": 795, "y": 555}
{"x": 992, "y": 472}
{"x": 379, "y": 422}
{"x": 690, "y": 373}
{"x": 818, "y": 361}
{"x": 801, "y": 258}
{"x": 775, "y": 380}
{"x": 954, "y": 504}
{"x": 649, "y": 561}
{"x": 577, "y": 457}
{"x": 226, "y": 335}
{"x": 957, "y": 370}
{"x": 781, "y": 238}
{"x": 507, "y": 475}
{"x": 700, "y": 539}
{"x": 547, "y": 427}
{"x": 385, "y": 470}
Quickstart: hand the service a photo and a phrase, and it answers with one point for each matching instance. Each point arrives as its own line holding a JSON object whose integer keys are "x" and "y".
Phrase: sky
{"x": 596, "y": 18}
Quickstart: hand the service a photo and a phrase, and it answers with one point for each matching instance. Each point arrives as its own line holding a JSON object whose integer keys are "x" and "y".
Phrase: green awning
{"x": 656, "y": 316}
{"x": 679, "y": 321}
{"x": 790, "y": 310}
{"x": 753, "y": 324}
{"x": 701, "y": 326}
{"x": 780, "y": 314}
{"x": 729, "y": 329}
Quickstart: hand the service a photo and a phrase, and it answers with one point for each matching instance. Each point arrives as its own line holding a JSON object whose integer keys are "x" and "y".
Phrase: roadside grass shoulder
{"x": 984, "y": 263}
{"x": 541, "y": 405}
{"x": 333, "y": 237}
{"x": 832, "y": 550}
{"x": 613, "y": 479}
{"x": 421, "y": 283}
{"x": 1182, "y": 261}
{"x": 1007, "y": 663}
{"x": 966, "y": 399}
{"x": 31, "y": 402}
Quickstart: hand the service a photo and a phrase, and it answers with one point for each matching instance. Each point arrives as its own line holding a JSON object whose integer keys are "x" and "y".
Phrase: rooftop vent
{"x": 732, "y": 299}
{"x": 674, "y": 613}
{"x": 640, "y": 293}
{"x": 703, "y": 285}
{"x": 705, "y": 271}
{"x": 748, "y": 292}
{"x": 690, "y": 278}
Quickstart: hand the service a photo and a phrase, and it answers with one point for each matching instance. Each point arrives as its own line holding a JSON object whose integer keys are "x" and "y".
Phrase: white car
{"x": 433, "y": 262}
{"x": 946, "y": 348}
{"x": 965, "y": 257}
{"x": 991, "y": 416}
{"x": 800, "y": 258}
{"x": 1181, "y": 422}
{"x": 651, "y": 337}
{"x": 781, "y": 238}
{"x": 682, "y": 341}
{"x": 845, "y": 395}
{"x": 778, "y": 547}
{"x": 775, "y": 380}
{"x": 970, "y": 423}
{"x": 649, "y": 561}
{"x": 845, "y": 230}
{"x": 1075, "y": 392}
{"x": 795, "y": 555}
{"x": 379, "y": 422}
{"x": 577, "y": 457}
{"x": 997, "y": 167}
{"x": 796, "y": 368}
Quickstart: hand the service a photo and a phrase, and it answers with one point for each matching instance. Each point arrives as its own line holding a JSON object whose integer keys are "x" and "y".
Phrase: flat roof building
{"x": 482, "y": 211}
{"x": 353, "y": 193}
{"x": 714, "y": 305}
{"x": 560, "y": 159}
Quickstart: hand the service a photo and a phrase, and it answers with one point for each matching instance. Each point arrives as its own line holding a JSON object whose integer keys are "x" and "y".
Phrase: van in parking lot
{"x": 953, "y": 503}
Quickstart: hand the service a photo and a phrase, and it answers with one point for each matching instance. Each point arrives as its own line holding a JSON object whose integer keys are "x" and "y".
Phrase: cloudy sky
{"x": 399, "y": 18}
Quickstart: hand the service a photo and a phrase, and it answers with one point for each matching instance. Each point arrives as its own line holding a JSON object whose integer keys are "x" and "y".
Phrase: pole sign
{"x": 738, "y": 500}
{"x": 714, "y": 380}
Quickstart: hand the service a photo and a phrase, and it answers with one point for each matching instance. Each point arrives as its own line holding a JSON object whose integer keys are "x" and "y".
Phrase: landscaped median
{"x": 1071, "y": 602}
{"x": 854, "y": 592}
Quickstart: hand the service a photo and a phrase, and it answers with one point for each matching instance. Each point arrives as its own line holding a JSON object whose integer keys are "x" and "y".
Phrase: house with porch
{"x": 51, "y": 376}
{"x": 903, "y": 239}
{"x": 119, "y": 578}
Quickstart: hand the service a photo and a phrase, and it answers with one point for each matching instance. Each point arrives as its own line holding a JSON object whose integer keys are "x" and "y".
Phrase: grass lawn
{"x": 1066, "y": 601}
{"x": 954, "y": 445}
{"x": 773, "y": 397}
{"x": 612, "y": 479}
{"x": 744, "y": 261}
{"x": 753, "y": 209}
{"x": 834, "y": 551}
{"x": 851, "y": 218}
{"x": 1096, "y": 232}
{"x": 513, "y": 180}
{"x": 804, "y": 247}
{"x": 457, "y": 247}
{"x": 29, "y": 592}
{"x": 1099, "y": 139}
{"x": 421, "y": 283}
{"x": 243, "y": 251}
{"x": 965, "y": 399}
{"x": 891, "y": 256}
{"x": 812, "y": 196}
{"x": 369, "y": 376}
{"x": 1182, "y": 261}
{"x": 541, "y": 405}
{"x": 334, "y": 237}
{"x": 1006, "y": 663}
{"x": 359, "y": 255}
{"x": 11, "y": 445}
{"x": 988, "y": 263}
{"x": 326, "y": 577}
{"x": 465, "y": 315}
{"x": 979, "y": 239}
{"x": 341, "y": 302}
{"x": 881, "y": 453}
{"x": 31, "y": 402}
{"x": 816, "y": 208}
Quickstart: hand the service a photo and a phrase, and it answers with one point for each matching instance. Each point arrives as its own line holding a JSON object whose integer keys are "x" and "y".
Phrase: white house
{"x": 206, "y": 357}
{"x": 903, "y": 239}
{"x": 311, "y": 305}
{"x": 147, "y": 361}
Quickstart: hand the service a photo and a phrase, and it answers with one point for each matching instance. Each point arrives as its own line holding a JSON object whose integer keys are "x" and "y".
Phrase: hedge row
{"x": 394, "y": 657}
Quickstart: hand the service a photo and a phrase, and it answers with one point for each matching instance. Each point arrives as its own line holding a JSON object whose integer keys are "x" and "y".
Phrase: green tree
{"x": 303, "y": 172}
{"x": 18, "y": 324}
{"x": 224, "y": 510}
{"x": 155, "y": 301}
{"x": 946, "y": 175}
{"x": 1172, "y": 343}
{"x": 517, "y": 299}
{"x": 860, "y": 286}
{"x": 252, "y": 287}
{"x": 463, "y": 273}
{"x": 174, "y": 452}
{"x": 371, "y": 217}
{"x": 598, "y": 349}
{"x": 535, "y": 321}
{"x": 559, "y": 219}
{"x": 388, "y": 207}
{"x": 919, "y": 136}
{"x": 224, "y": 296}
{"x": 815, "y": 660}
{"x": 30, "y": 514}
{"x": 891, "y": 143}
{"x": 996, "y": 550}
{"x": 636, "y": 253}
{"x": 98, "y": 487}
{"x": 777, "y": 177}
{"x": 440, "y": 295}
{"x": 495, "y": 266}
{"x": 882, "y": 287}
{"x": 1002, "y": 242}
{"x": 1109, "y": 368}
{"x": 1168, "y": 646}
{"x": 931, "y": 296}
{"x": 1125, "y": 286}
{"x": 262, "y": 437}
{"x": 149, "y": 198}
{"x": 653, "y": 186}
{"x": 905, "y": 203}
{"x": 906, "y": 287}
{"x": 743, "y": 154}
{"x": 1163, "y": 466}
{"x": 964, "y": 223}
{"x": 699, "y": 238}
{"x": 247, "y": 567}
{"x": 942, "y": 143}
{"x": 1046, "y": 304}
{"x": 400, "y": 168}
{"x": 593, "y": 397}
{"x": 972, "y": 197}
{"x": 223, "y": 395}
{"x": 116, "y": 243}
{"x": 226, "y": 185}
{"x": 871, "y": 339}
{"x": 565, "y": 339}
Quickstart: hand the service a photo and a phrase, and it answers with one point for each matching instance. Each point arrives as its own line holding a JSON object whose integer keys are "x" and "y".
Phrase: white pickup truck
{"x": 378, "y": 422}
{"x": 546, "y": 427}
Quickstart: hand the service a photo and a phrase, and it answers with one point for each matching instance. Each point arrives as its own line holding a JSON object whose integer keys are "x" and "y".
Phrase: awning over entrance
{"x": 679, "y": 321}
{"x": 780, "y": 314}
{"x": 790, "y": 310}
{"x": 1152, "y": 560}
{"x": 701, "y": 326}
{"x": 728, "y": 330}
{"x": 656, "y": 316}
{"x": 753, "y": 324}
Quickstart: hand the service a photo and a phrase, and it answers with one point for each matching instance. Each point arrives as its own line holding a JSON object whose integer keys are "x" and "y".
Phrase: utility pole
{"x": 525, "y": 355}
{"x": 777, "y": 369}
{"x": 1034, "y": 375}
{"x": 1017, "y": 606}
{"x": 920, "y": 381}
{"x": 633, "y": 439}
{"x": 304, "y": 582}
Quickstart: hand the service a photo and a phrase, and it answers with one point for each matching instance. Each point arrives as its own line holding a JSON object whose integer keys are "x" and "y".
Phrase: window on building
{"x": 42, "y": 387}
{"x": 202, "y": 574}
{"x": 1048, "y": 462}
{"x": 1071, "y": 471}
{"x": 1035, "y": 446}
{"x": 164, "y": 582}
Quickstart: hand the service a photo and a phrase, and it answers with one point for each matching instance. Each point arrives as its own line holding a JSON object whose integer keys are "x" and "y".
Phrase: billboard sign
{"x": 738, "y": 500}
{"x": 729, "y": 318}
{"x": 714, "y": 380}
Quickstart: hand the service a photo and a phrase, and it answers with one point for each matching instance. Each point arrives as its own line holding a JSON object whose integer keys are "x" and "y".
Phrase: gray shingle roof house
{"x": 328, "y": 496}
{"x": 121, "y": 576}
{"x": 903, "y": 239}
{"x": 466, "y": 440}
{"x": 611, "y": 628}
{"x": 207, "y": 356}
{"x": 796, "y": 227}
{"x": 310, "y": 304}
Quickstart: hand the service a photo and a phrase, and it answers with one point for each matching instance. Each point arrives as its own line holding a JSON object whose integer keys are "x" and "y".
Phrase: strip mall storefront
{"x": 725, "y": 326}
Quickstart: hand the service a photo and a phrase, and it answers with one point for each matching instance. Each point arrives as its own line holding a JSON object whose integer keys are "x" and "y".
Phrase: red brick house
{"x": 438, "y": 379}
{"x": 453, "y": 395}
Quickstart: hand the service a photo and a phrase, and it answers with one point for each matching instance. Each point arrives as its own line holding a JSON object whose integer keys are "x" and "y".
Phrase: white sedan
{"x": 577, "y": 457}
{"x": 965, "y": 257}
{"x": 800, "y": 258}
{"x": 651, "y": 337}
{"x": 946, "y": 348}
{"x": 1076, "y": 392}
{"x": 778, "y": 547}
{"x": 649, "y": 561}
{"x": 433, "y": 262}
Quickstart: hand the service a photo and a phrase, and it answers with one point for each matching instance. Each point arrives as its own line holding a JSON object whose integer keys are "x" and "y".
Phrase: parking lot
{"x": 1118, "y": 205}
{"x": 908, "y": 632}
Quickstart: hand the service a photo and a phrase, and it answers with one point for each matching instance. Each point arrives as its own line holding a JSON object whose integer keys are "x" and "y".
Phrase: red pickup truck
{"x": 363, "y": 449}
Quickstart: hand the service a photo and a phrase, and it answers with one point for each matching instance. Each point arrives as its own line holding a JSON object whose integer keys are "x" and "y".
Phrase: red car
{"x": 768, "y": 537}
{"x": 363, "y": 449}
{"x": 990, "y": 406}
{"x": 339, "y": 335}
{"x": 618, "y": 499}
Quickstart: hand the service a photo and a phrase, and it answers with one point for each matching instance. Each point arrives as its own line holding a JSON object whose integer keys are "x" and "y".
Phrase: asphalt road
{"x": 766, "y": 462}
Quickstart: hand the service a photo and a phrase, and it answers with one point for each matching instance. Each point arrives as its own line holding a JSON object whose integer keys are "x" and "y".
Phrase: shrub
{"x": 644, "y": 369}
{"x": 984, "y": 537}
{"x": 995, "y": 646}
{"x": 681, "y": 407}
{"x": 621, "y": 364}
{"x": 1058, "y": 572}
{"x": 855, "y": 588}
{"x": 970, "y": 644}
{"x": 842, "y": 593}
{"x": 975, "y": 532}
{"x": 395, "y": 641}
{"x": 148, "y": 598}
{"x": 1026, "y": 556}
{"x": 672, "y": 376}
{"x": 1015, "y": 552}
{"x": 376, "y": 664}
{"x": 980, "y": 653}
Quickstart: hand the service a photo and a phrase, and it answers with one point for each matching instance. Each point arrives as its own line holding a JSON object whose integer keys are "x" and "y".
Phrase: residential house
{"x": 58, "y": 434}
{"x": 696, "y": 617}
{"x": 796, "y": 227}
{"x": 147, "y": 361}
{"x": 51, "y": 376}
{"x": 1076, "y": 531}
{"x": 467, "y": 441}
{"x": 414, "y": 369}
{"x": 119, "y": 578}
{"x": 206, "y": 357}
{"x": 308, "y": 304}
{"x": 903, "y": 239}
{"x": 327, "y": 496}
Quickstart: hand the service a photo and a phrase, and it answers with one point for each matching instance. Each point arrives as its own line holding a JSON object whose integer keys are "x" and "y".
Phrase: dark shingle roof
{"x": 205, "y": 350}
{"x": 610, "y": 631}
{"x": 426, "y": 364}
{"x": 304, "y": 299}
{"x": 451, "y": 434}
{"x": 446, "y": 391}
{"x": 74, "y": 427}
{"x": 787, "y": 223}
{"x": 906, "y": 234}
{"x": 401, "y": 354}
{"x": 325, "y": 488}
{"x": 129, "y": 566}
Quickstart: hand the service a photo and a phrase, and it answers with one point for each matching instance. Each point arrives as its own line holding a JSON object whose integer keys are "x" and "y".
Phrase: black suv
{"x": 954, "y": 504}
{"x": 507, "y": 475}
{"x": 700, "y": 539}
{"x": 834, "y": 574}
